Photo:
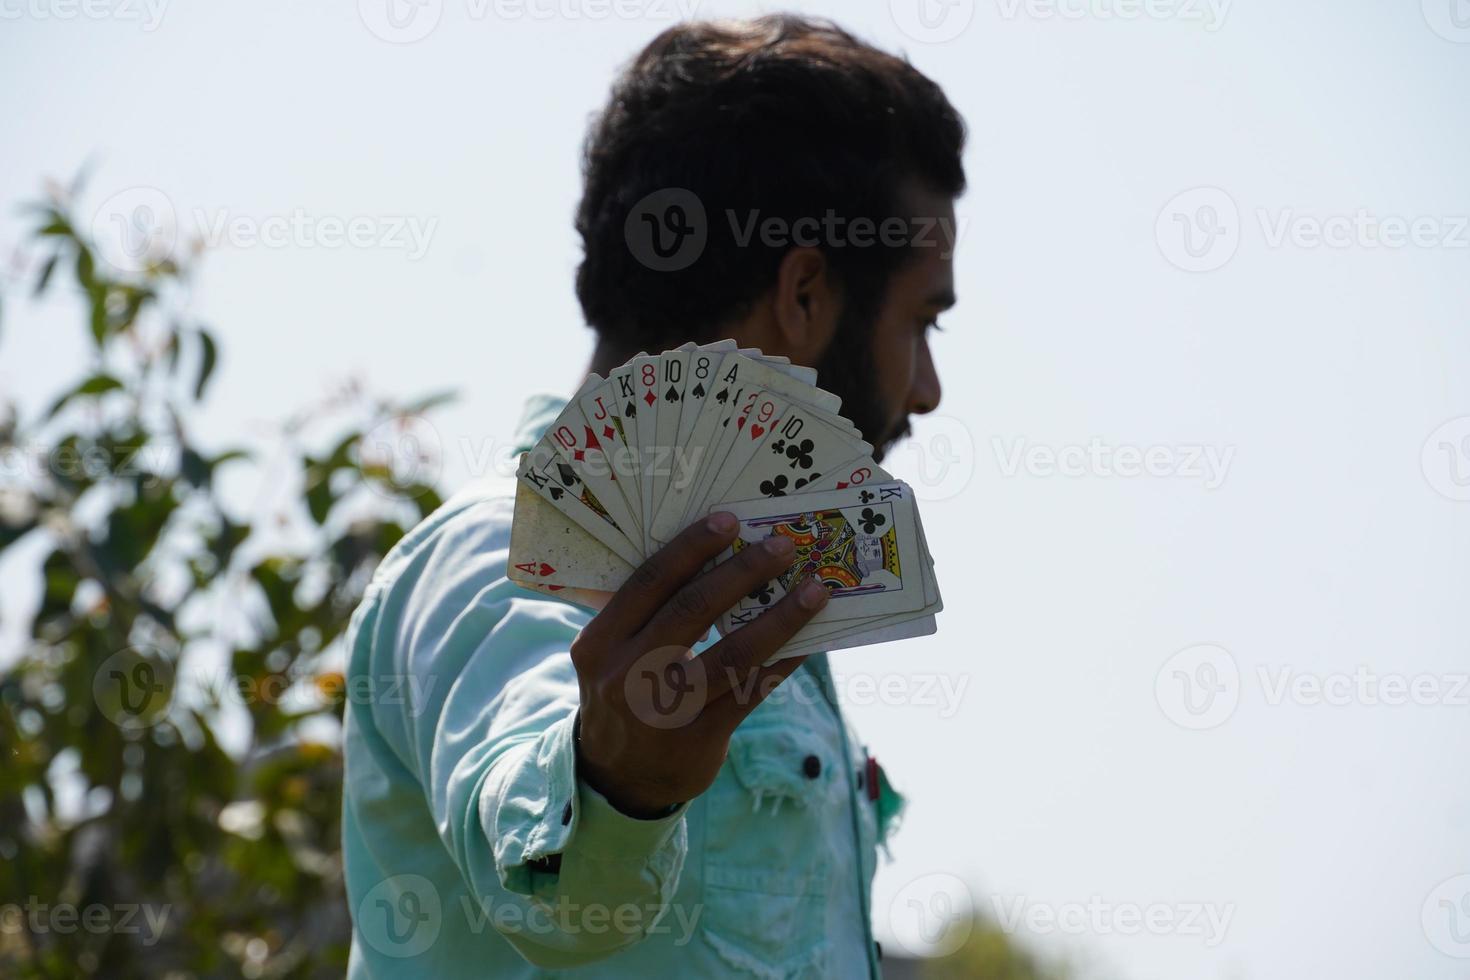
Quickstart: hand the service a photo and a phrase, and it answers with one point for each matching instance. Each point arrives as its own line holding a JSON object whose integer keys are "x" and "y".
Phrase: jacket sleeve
{"x": 488, "y": 732}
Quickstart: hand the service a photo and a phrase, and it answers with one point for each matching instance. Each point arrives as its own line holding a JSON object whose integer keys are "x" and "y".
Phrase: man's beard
{"x": 847, "y": 369}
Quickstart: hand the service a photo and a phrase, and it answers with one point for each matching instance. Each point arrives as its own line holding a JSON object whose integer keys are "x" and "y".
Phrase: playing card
{"x": 578, "y": 443}
{"x": 600, "y": 406}
{"x": 549, "y": 551}
{"x": 669, "y": 437}
{"x": 861, "y": 543}
{"x": 736, "y": 372}
{"x": 800, "y": 447}
{"x": 645, "y": 393}
{"x": 673, "y": 372}
{"x": 544, "y": 470}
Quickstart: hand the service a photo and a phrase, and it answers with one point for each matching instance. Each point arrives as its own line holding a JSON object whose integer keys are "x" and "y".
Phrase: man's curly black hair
{"x": 781, "y": 117}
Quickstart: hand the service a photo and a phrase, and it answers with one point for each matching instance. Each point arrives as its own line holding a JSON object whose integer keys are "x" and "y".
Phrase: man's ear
{"x": 805, "y": 304}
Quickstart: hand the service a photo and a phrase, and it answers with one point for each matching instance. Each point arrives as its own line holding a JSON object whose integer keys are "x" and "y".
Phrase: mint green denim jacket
{"x": 473, "y": 850}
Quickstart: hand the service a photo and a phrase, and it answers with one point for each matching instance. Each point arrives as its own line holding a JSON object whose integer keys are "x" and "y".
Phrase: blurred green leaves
{"x": 169, "y": 728}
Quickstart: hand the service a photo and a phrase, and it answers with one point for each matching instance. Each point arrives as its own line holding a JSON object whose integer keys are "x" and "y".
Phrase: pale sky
{"x": 1232, "y": 425}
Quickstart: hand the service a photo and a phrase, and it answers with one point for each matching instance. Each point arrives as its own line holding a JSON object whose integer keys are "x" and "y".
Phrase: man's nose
{"x": 925, "y": 392}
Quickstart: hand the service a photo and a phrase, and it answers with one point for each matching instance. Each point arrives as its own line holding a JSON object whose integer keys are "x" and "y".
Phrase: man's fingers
{"x": 699, "y": 603}
{"x": 652, "y": 582}
{"x": 736, "y": 655}
{"x": 748, "y": 691}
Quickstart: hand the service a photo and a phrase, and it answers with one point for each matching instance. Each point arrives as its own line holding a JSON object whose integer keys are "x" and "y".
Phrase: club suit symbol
{"x": 1445, "y": 459}
{"x": 1199, "y": 229}
{"x": 1198, "y": 687}
{"x": 871, "y": 520}
{"x": 1445, "y": 917}
{"x": 667, "y": 231}
{"x": 400, "y": 916}
{"x": 664, "y": 689}
{"x": 800, "y": 454}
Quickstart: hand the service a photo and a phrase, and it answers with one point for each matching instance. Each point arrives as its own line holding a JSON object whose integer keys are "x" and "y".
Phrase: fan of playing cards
{"x": 668, "y": 438}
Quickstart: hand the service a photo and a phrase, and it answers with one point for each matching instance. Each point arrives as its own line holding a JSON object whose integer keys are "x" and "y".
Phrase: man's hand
{"x": 656, "y": 720}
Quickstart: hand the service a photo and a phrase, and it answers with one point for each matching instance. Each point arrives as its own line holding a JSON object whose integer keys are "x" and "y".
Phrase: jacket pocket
{"x": 767, "y": 871}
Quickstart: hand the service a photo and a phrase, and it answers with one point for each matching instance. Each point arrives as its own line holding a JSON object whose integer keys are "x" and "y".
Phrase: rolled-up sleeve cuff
{"x": 541, "y": 816}
{"x": 605, "y": 833}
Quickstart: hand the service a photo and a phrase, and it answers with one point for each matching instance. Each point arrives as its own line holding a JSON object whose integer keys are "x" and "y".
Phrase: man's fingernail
{"x": 812, "y": 595}
{"x": 721, "y": 523}
{"x": 778, "y": 546}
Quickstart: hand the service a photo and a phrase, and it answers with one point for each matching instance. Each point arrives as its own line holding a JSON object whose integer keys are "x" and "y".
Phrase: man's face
{"x": 894, "y": 376}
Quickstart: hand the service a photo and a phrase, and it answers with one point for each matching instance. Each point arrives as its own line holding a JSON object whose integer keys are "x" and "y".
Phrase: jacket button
{"x": 811, "y": 767}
